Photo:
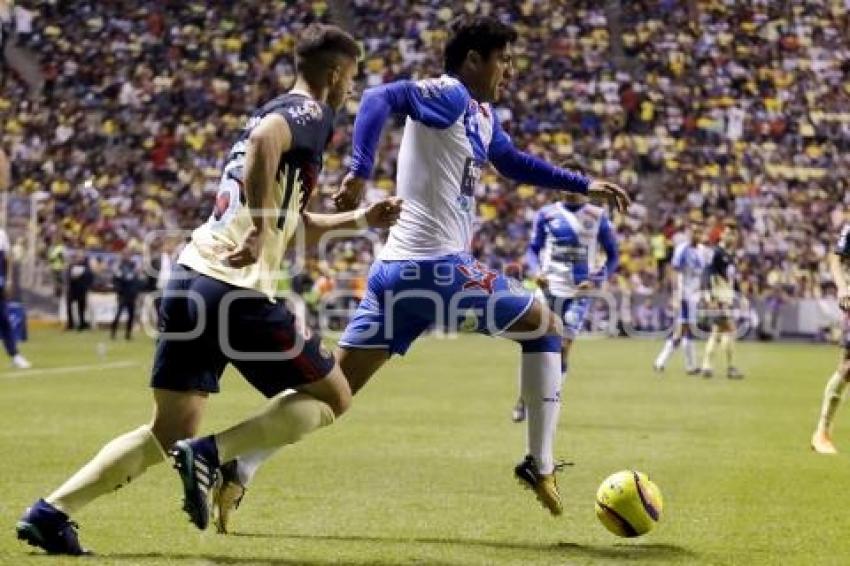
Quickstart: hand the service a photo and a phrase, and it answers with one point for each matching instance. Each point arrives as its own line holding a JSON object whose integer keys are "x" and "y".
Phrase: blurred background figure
{"x": 128, "y": 283}
{"x": 79, "y": 281}
{"x": 56, "y": 261}
{"x": 6, "y": 292}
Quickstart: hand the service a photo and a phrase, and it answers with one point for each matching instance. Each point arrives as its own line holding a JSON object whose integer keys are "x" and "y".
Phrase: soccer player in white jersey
{"x": 690, "y": 259}
{"x": 219, "y": 307}
{"x": 562, "y": 258}
{"x": 426, "y": 276}
{"x": 833, "y": 395}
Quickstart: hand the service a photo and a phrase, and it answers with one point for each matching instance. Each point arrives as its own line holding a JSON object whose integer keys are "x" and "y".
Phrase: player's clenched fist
{"x": 385, "y": 213}
{"x": 248, "y": 252}
{"x": 844, "y": 303}
{"x": 350, "y": 192}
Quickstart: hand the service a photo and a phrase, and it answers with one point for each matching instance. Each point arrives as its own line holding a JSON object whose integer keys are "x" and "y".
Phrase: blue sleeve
{"x": 437, "y": 103}
{"x": 525, "y": 168}
{"x": 608, "y": 239}
{"x": 538, "y": 239}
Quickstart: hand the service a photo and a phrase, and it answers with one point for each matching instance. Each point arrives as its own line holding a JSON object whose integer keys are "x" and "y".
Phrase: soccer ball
{"x": 628, "y": 504}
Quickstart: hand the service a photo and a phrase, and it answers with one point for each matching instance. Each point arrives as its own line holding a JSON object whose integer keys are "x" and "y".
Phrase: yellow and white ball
{"x": 628, "y": 504}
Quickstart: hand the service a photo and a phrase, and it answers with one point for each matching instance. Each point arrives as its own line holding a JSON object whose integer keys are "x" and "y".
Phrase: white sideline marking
{"x": 66, "y": 369}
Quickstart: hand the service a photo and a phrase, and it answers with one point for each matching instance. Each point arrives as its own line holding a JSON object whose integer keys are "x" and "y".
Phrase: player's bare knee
{"x": 555, "y": 326}
{"x": 539, "y": 320}
{"x": 333, "y": 390}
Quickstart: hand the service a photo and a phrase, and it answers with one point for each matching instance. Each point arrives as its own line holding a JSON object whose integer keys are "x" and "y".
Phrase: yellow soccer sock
{"x": 121, "y": 460}
{"x": 727, "y": 344}
{"x": 284, "y": 420}
{"x": 709, "y": 350}
{"x": 832, "y": 397}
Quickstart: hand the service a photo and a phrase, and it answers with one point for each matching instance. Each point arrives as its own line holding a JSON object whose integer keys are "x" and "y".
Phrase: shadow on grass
{"x": 170, "y": 558}
{"x": 616, "y": 551}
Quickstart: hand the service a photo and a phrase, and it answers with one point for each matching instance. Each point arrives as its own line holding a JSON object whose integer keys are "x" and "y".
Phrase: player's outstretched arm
{"x": 268, "y": 140}
{"x": 381, "y": 214}
{"x": 436, "y": 103}
{"x": 526, "y": 168}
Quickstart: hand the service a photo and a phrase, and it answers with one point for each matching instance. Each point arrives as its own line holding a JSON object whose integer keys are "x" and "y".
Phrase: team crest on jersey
{"x": 307, "y": 111}
{"x": 588, "y": 224}
{"x": 478, "y": 277}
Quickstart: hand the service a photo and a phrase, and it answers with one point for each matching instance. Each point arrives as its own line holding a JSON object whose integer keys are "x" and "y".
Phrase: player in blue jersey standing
{"x": 426, "y": 275}
{"x": 562, "y": 256}
{"x": 7, "y": 332}
{"x": 690, "y": 260}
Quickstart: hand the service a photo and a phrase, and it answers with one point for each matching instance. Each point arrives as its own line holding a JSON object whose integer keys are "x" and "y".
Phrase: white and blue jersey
{"x": 690, "y": 262}
{"x": 448, "y": 138}
{"x": 563, "y": 248}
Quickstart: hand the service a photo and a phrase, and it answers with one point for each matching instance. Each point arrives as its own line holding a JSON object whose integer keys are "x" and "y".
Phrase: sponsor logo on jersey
{"x": 471, "y": 176}
{"x": 307, "y": 111}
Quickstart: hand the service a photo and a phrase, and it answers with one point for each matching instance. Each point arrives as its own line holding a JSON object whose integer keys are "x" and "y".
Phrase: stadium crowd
{"x": 705, "y": 110}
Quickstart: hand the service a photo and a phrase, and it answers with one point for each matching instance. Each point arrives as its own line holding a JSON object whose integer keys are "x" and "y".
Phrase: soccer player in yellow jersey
{"x": 219, "y": 307}
{"x": 839, "y": 265}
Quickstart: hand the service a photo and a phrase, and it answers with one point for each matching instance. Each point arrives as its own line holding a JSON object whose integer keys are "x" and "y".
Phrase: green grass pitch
{"x": 420, "y": 471}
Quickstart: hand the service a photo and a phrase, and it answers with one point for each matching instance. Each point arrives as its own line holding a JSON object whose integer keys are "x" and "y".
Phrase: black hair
{"x": 482, "y": 34}
{"x": 320, "y": 47}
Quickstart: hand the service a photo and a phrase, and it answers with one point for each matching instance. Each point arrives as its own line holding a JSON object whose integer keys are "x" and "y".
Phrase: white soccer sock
{"x": 118, "y": 462}
{"x": 248, "y": 464}
{"x": 832, "y": 397}
{"x": 666, "y": 352}
{"x": 690, "y": 350}
{"x": 541, "y": 390}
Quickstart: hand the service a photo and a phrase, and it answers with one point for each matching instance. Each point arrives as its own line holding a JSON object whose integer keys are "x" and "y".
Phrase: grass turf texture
{"x": 420, "y": 470}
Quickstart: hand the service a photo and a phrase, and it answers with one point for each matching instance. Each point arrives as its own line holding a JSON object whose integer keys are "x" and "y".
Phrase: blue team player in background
{"x": 562, "y": 256}
{"x": 6, "y": 290}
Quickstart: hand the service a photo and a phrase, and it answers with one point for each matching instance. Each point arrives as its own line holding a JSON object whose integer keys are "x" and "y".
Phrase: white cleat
{"x": 21, "y": 362}
{"x": 822, "y": 443}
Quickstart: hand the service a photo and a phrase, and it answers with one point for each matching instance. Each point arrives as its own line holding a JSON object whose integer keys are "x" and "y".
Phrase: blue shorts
{"x": 205, "y": 324}
{"x": 405, "y": 298}
{"x": 572, "y": 310}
